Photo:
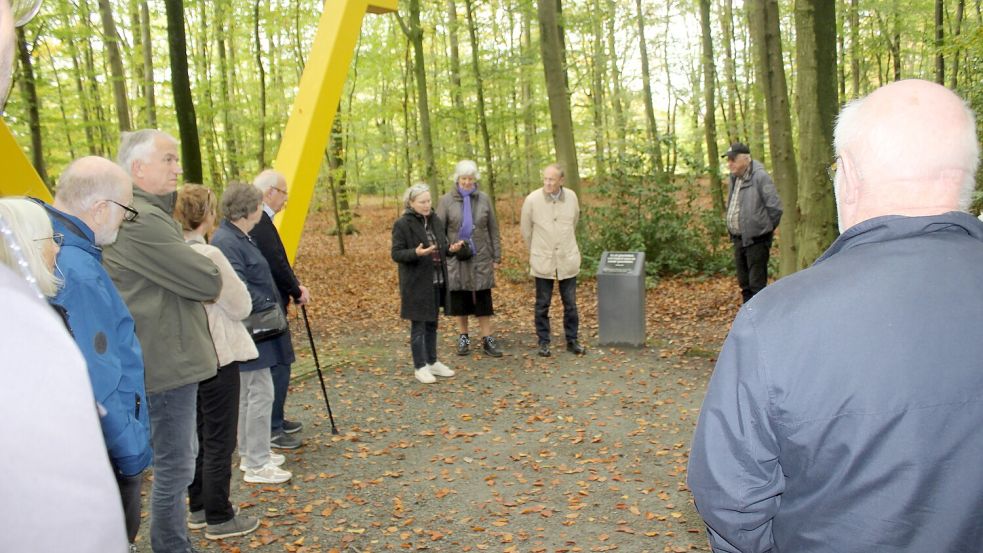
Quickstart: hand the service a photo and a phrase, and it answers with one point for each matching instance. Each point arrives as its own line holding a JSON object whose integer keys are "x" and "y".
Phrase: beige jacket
{"x": 549, "y": 229}
{"x": 232, "y": 340}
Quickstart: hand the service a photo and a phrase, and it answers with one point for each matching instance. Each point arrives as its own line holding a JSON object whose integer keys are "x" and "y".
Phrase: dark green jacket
{"x": 163, "y": 282}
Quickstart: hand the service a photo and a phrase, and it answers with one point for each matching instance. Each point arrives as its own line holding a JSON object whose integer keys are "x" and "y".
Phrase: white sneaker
{"x": 424, "y": 376}
{"x": 439, "y": 369}
{"x": 275, "y": 458}
{"x": 268, "y": 474}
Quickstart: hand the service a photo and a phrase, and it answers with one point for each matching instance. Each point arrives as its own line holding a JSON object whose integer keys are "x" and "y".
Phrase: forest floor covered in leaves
{"x": 516, "y": 454}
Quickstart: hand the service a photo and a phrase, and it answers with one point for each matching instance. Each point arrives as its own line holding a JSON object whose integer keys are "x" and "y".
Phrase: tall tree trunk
{"x": 338, "y": 180}
{"x": 730, "y": 68}
{"x": 528, "y": 114}
{"x": 710, "y": 117}
{"x": 99, "y": 120}
{"x": 261, "y": 158}
{"x": 598, "y": 78}
{"x": 231, "y": 147}
{"x": 620, "y": 128}
{"x": 456, "y": 97}
{"x": 556, "y": 89}
{"x": 855, "y": 48}
{"x": 202, "y": 60}
{"x": 841, "y": 57}
{"x": 482, "y": 117}
{"x": 90, "y": 141}
{"x": 184, "y": 105}
{"x": 414, "y": 32}
{"x": 66, "y": 127}
{"x": 770, "y": 68}
{"x": 815, "y": 39}
{"x": 111, "y": 40}
{"x": 28, "y": 88}
{"x": 148, "y": 65}
{"x": 407, "y": 159}
{"x": 655, "y": 148}
{"x": 939, "y": 38}
{"x": 960, "y": 14}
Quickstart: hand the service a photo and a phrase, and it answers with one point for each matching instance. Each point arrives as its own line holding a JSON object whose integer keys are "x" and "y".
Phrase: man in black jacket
{"x": 274, "y": 188}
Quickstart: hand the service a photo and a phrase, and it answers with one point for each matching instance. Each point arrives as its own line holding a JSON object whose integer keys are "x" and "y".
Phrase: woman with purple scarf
{"x": 468, "y": 215}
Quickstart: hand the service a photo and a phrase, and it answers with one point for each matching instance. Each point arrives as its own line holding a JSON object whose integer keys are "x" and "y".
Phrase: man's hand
{"x": 305, "y": 296}
{"x": 456, "y": 246}
{"x": 421, "y": 251}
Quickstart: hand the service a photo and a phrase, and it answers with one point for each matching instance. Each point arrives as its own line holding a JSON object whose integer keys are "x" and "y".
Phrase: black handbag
{"x": 267, "y": 323}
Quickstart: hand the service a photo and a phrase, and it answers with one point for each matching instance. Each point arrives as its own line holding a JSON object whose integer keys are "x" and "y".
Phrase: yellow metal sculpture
{"x": 308, "y": 128}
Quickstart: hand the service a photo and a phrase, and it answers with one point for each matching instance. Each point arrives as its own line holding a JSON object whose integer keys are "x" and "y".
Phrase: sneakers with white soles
{"x": 424, "y": 375}
{"x": 275, "y": 458}
{"x": 267, "y": 474}
{"x": 439, "y": 369}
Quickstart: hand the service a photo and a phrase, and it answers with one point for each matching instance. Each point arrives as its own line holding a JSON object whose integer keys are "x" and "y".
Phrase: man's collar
{"x": 269, "y": 210}
{"x": 559, "y": 196}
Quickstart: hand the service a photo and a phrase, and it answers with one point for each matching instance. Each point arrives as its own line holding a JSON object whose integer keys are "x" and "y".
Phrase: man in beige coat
{"x": 549, "y": 226}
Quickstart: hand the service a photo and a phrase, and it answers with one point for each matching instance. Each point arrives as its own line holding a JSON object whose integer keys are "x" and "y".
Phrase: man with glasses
{"x": 844, "y": 411}
{"x": 274, "y": 188}
{"x": 163, "y": 281}
{"x": 91, "y": 202}
{"x": 753, "y": 212}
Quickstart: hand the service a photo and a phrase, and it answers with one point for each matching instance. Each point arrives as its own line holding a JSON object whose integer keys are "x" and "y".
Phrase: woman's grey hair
{"x": 27, "y": 231}
{"x": 413, "y": 192}
{"x": 269, "y": 178}
{"x": 240, "y": 200}
{"x": 465, "y": 168}
{"x": 138, "y": 145}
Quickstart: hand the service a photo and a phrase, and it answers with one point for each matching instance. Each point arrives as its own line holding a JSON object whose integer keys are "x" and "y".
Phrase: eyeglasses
{"x": 130, "y": 214}
{"x": 280, "y": 190}
{"x": 58, "y": 238}
{"x": 831, "y": 170}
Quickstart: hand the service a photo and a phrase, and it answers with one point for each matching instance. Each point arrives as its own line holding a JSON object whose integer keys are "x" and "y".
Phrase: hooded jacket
{"x": 103, "y": 329}
{"x": 477, "y": 272}
{"x": 163, "y": 281}
{"x": 844, "y": 412}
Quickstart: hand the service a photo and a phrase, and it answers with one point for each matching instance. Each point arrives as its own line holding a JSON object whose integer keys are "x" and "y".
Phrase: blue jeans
{"x": 173, "y": 435}
{"x": 281, "y": 383}
{"x": 544, "y": 296}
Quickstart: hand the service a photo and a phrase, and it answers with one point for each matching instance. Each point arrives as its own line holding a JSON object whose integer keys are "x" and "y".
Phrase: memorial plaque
{"x": 621, "y": 299}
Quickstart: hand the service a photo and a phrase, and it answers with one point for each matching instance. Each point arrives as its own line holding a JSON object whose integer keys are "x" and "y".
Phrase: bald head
{"x": 94, "y": 189}
{"x": 909, "y": 148}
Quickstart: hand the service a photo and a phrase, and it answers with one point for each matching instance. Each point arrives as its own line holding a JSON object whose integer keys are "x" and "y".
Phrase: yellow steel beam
{"x": 19, "y": 177}
{"x": 308, "y": 129}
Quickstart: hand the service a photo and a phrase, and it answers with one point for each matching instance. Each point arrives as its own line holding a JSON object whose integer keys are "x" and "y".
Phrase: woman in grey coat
{"x": 468, "y": 215}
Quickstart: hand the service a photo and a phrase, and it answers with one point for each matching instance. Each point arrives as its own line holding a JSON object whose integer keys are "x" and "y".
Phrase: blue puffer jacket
{"x": 104, "y": 331}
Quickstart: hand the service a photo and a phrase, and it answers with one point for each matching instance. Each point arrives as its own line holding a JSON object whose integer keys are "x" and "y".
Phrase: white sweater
{"x": 232, "y": 340}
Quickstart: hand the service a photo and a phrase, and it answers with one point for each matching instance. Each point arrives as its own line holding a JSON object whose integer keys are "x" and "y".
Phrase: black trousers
{"x": 129, "y": 493}
{"x": 423, "y": 336}
{"x": 751, "y": 262}
{"x": 218, "y": 419}
{"x": 544, "y": 296}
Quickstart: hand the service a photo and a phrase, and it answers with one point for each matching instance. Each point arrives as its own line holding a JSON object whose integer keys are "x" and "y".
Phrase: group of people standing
{"x": 167, "y": 325}
{"x": 447, "y": 258}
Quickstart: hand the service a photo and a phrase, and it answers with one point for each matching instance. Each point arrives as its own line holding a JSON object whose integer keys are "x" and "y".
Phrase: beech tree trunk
{"x": 184, "y": 105}
{"x": 815, "y": 40}
{"x": 148, "y": 66}
{"x": 482, "y": 118}
{"x": 118, "y": 75}
{"x": 655, "y": 147}
{"x": 456, "y": 97}
{"x": 709, "y": 116}
{"x": 28, "y": 88}
{"x": 414, "y": 32}
{"x": 556, "y": 88}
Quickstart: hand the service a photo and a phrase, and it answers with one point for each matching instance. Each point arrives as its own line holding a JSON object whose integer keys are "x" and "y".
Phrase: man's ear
{"x": 850, "y": 180}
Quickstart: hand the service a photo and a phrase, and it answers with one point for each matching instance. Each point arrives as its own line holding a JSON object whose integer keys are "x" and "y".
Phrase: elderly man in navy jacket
{"x": 274, "y": 188}
{"x": 844, "y": 412}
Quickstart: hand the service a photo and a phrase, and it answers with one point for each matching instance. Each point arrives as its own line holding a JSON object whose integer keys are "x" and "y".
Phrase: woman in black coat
{"x": 420, "y": 248}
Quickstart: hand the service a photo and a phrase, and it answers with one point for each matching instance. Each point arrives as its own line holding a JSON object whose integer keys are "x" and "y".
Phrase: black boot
{"x": 490, "y": 347}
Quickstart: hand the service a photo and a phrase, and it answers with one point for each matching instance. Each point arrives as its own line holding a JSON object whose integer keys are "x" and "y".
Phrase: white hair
{"x": 86, "y": 181}
{"x": 268, "y": 179}
{"x": 414, "y": 192}
{"x": 27, "y": 230}
{"x": 138, "y": 145}
{"x": 465, "y": 168}
{"x": 878, "y": 139}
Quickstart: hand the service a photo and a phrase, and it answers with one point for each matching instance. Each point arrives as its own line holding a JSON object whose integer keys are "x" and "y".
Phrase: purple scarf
{"x": 467, "y": 219}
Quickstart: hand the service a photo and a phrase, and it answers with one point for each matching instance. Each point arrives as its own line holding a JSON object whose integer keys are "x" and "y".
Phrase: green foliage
{"x": 659, "y": 218}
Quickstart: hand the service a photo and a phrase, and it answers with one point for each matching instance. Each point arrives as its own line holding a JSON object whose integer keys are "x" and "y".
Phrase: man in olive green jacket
{"x": 163, "y": 282}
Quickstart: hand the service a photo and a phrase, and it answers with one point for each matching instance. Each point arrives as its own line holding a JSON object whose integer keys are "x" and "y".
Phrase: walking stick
{"x": 317, "y": 365}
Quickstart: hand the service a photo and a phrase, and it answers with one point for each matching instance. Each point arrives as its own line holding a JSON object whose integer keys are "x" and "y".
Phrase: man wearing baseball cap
{"x": 753, "y": 212}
